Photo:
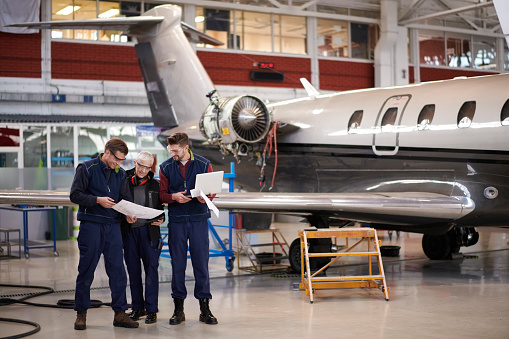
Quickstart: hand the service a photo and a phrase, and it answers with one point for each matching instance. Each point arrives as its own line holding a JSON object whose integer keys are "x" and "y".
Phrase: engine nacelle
{"x": 234, "y": 122}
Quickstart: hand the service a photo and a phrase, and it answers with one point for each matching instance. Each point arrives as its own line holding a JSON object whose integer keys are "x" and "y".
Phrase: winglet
{"x": 312, "y": 92}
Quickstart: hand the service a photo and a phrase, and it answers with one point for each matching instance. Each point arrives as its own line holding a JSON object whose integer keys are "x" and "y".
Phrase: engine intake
{"x": 231, "y": 121}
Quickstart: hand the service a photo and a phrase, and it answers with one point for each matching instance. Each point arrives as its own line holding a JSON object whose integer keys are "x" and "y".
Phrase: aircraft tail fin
{"x": 175, "y": 80}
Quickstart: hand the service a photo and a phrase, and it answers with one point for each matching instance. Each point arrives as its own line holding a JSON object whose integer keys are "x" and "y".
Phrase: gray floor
{"x": 462, "y": 298}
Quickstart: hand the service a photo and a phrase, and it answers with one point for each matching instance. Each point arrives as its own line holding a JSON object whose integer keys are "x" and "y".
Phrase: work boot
{"x": 136, "y": 315}
{"x": 81, "y": 320}
{"x": 178, "y": 315}
{"x": 121, "y": 319}
{"x": 151, "y": 318}
{"x": 205, "y": 315}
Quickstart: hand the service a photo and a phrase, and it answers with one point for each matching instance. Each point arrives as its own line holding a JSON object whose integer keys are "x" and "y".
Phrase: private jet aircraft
{"x": 431, "y": 158}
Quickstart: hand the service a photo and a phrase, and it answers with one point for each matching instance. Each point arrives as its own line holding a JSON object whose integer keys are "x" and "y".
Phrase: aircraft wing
{"x": 406, "y": 208}
{"x": 128, "y": 25}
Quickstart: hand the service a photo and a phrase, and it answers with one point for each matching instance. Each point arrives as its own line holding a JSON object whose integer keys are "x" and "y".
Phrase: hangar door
{"x": 388, "y": 125}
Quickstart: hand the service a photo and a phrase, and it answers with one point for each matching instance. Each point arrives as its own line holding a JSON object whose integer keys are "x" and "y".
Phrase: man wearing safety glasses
{"x": 142, "y": 240}
{"x": 97, "y": 186}
{"x": 187, "y": 222}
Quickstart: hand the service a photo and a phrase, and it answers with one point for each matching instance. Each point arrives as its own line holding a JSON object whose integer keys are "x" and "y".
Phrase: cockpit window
{"x": 425, "y": 117}
{"x": 389, "y": 118}
{"x": 466, "y": 114}
{"x": 504, "y": 115}
{"x": 355, "y": 121}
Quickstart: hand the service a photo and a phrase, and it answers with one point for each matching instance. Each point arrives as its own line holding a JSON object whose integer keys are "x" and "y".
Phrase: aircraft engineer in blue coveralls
{"x": 187, "y": 222}
{"x": 142, "y": 240}
{"x": 97, "y": 186}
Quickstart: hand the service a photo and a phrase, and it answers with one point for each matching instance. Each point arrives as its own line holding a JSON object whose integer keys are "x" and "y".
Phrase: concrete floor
{"x": 462, "y": 298}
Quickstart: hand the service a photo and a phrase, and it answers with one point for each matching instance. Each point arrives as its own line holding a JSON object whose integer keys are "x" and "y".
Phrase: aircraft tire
{"x": 437, "y": 247}
{"x": 318, "y": 245}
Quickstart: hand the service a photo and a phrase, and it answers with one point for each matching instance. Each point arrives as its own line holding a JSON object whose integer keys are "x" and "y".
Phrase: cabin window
{"x": 355, "y": 121}
{"x": 504, "y": 115}
{"x": 466, "y": 114}
{"x": 425, "y": 117}
{"x": 389, "y": 118}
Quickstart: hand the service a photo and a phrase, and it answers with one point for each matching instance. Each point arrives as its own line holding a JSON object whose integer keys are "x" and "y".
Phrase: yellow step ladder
{"x": 310, "y": 282}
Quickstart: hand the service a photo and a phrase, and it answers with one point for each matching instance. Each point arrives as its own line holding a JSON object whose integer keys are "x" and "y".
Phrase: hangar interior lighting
{"x": 109, "y": 13}
{"x": 68, "y": 10}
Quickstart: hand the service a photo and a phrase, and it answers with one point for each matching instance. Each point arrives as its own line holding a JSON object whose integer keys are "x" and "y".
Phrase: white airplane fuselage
{"x": 322, "y": 156}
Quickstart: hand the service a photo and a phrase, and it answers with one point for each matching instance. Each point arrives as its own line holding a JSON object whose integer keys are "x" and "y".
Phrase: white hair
{"x": 145, "y": 156}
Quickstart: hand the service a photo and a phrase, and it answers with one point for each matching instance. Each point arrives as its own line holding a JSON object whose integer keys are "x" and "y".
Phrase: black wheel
{"x": 27, "y": 255}
{"x": 56, "y": 253}
{"x": 436, "y": 247}
{"x": 230, "y": 264}
{"x": 316, "y": 246}
{"x": 294, "y": 255}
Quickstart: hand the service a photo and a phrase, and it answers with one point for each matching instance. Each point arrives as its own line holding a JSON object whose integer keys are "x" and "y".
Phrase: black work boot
{"x": 205, "y": 315}
{"x": 81, "y": 320}
{"x": 178, "y": 315}
{"x": 136, "y": 315}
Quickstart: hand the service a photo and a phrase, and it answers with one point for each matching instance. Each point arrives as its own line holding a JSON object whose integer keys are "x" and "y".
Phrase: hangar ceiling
{"x": 474, "y": 15}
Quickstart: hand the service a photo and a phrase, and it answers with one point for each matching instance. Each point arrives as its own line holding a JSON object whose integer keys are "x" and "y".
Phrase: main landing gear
{"x": 438, "y": 247}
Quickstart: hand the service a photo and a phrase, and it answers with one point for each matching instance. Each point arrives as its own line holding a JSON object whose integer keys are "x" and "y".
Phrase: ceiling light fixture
{"x": 109, "y": 13}
{"x": 68, "y": 10}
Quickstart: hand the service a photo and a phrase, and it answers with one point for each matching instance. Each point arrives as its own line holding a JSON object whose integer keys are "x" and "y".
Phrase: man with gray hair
{"x": 142, "y": 240}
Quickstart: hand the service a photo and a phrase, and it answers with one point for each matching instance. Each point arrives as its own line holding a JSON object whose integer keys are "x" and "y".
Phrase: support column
{"x": 385, "y": 49}
{"x": 312, "y": 49}
{"x": 45, "y": 55}
{"x": 189, "y": 13}
{"x": 415, "y": 54}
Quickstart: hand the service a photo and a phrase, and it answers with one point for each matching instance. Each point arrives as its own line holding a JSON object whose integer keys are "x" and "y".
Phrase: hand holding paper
{"x": 135, "y": 210}
{"x": 208, "y": 183}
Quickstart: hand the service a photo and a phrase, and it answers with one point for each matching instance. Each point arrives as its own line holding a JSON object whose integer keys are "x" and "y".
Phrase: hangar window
{"x": 425, "y": 117}
{"x": 504, "y": 115}
{"x": 466, "y": 114}
{"x": 389, "y": 118}
{"x": 344, "y": 39}
{"x": 92, "y": 9}
{"x": 262, "y": 32}
{"x": 355, "y": 121}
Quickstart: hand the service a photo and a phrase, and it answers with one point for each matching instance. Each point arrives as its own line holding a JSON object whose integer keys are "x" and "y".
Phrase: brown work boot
{"x": 81, "y": 321}
{"x": 121, "y": 319}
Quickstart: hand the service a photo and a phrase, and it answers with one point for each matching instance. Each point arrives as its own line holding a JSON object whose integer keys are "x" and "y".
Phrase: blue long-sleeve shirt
{"x": 92, "y": 180}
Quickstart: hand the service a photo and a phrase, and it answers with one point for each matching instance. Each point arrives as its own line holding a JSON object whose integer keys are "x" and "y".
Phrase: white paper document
{"x": 135, "y": 210}
{"x": 208, "y": 183}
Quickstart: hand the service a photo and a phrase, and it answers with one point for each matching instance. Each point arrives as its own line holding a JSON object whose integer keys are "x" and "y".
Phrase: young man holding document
{"x": 187, "y": 222}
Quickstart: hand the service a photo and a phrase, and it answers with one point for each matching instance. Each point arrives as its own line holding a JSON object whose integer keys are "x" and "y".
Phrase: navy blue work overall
{"x": 137, "y": 245}
{"x": 197, "y": 232}
{"x": 188, "y": 222}
{"x": 95, "y": 239}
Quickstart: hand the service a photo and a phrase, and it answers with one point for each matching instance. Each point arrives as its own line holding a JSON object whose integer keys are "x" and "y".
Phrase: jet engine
{"x": 235, "y": 124}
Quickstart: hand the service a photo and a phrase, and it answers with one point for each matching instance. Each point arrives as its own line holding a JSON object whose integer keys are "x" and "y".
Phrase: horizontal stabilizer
{"x": 121, "y": 24}
{"x": 310, "y": 89}
{"x": 196, "y": 36}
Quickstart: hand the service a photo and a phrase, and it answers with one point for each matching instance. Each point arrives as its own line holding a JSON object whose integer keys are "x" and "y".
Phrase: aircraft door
{"x": 388, "y": 125}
